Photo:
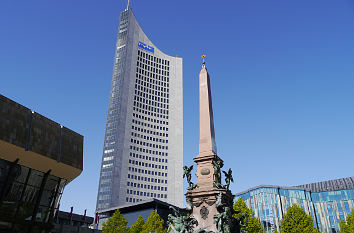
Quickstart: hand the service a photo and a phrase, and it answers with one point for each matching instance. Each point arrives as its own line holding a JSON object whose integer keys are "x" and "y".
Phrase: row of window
{"x": 152, "y": 78}
{"x": 333, "y": 195}
{"x": 152, "y": 63}
{"x": 104, "y": 197}
{"x": 152, "y": 82}
{"x": 147, "y": 179}
{"x": 108, "y": 158}
{"x": 107, "y": 165}
{"x": 148, "y": 144}
{"x": 149, "y": 131}
{"x": 105, "y": 189}
{"x": 152, "y": 58}
{"x": 156, "y": 70}
{"x": 149, "y": 138}
{"x": 150, "y": 74}
{"x": 148, "y": 158}
{"x": 145, "y": 194}
{"x": 150, "y": 102}
{"x": 154, "y": 120}
{"x": 150, "y": 113}
{"x": 153, "y": 67}
{"x": 161, "y": 99}
{"x": 108, "y": 151}
{"x": 150, "y": 109}
{"x": 149, "y": 125}
{"x": 106, "y": 173}
{"x": 105, "y": 180}
{"x": 147, "y": 186}
{"x": 147, "y": 165}
{"x": 148, "y": 87}
{"x": 156, "y": 80}
{"x": 139, "y": 149}
{"x": 148, "y": 172}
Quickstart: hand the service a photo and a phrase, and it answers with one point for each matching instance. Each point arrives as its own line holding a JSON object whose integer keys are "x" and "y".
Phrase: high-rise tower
{"x": 143, "y": 146}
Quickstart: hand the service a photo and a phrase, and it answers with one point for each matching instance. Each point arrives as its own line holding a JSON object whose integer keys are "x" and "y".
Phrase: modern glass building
{"x": 143, "y": 145}
{"x": 38, "y": 157}
{"x": 327, "y": 202}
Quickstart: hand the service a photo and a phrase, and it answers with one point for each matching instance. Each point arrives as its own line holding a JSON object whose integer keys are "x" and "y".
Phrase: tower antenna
{"x": 128, "y": 5}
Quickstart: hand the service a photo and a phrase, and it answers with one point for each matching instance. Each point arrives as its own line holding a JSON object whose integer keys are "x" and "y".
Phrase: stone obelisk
{"x": 204, "y": 198}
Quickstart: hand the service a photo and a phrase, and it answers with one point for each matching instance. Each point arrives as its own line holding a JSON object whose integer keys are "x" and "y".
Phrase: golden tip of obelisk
{"x": 203, "y": 57}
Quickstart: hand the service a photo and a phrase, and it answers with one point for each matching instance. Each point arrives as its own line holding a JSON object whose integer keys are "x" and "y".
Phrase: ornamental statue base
{"x": 206, "y": 205}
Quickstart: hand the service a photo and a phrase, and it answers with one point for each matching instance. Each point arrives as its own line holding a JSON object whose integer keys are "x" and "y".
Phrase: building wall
{"x": 143, "y": 147}
{"x": 38, "y": 157}
{"x": 327, "y": 208}
{"x": 39, "y": 142}
{"x": 332, "y": 207}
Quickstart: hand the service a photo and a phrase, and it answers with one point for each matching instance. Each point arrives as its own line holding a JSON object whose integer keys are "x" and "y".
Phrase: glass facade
{"x": 110, "y": 148}
{"x": 148, "y": 162}
{"x": 327, "y": 208}
{"x": 28, "y": 198}
{"x": 332, "y": 207}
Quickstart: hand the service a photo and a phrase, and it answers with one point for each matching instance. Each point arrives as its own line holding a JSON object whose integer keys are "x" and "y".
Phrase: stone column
{"x": 209, "y": 192}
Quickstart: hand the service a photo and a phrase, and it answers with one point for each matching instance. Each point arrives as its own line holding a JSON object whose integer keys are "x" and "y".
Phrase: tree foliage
{"x": 115, "y": 224}
{"x": 297, "y": 221}
{"x": 347, "y": 226}
{"x": 154, "y": 224}
{"x": 137, "y": 227}
{"x": 252, "y": 224}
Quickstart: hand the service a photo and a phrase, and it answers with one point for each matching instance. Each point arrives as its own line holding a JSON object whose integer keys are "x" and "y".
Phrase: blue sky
{"x": 282, "y": 76}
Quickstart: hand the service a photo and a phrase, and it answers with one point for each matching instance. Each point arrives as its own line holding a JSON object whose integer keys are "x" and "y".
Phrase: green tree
{"x": 154, "y": 224}
{"x": 297, "y": 221}
{"x": 347, "y": 226}
{"x": 137, "y": 227}
{"x": 252, "y": 223}
{"x": 115, "y": 224}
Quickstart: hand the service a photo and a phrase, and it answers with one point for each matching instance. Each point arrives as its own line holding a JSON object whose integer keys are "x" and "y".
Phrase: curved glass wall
{"x": 332, "y": 207}
{"x": 327, "y": 209}
{"x": 28, "y": 198}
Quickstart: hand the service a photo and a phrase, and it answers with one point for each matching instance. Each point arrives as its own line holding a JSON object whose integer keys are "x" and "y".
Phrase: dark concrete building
{"x": 73, "y": 223}
{"x": 132, "y": 211}
{"x": 38, "y": 157}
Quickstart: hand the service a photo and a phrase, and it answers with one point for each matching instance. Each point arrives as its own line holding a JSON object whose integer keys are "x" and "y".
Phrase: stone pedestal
{"x": 204, "y": 206}
{"x": 206, "y": 200}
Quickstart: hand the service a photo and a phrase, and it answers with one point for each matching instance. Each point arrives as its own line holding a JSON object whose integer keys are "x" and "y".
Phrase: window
{"x": 108, "y": 158}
